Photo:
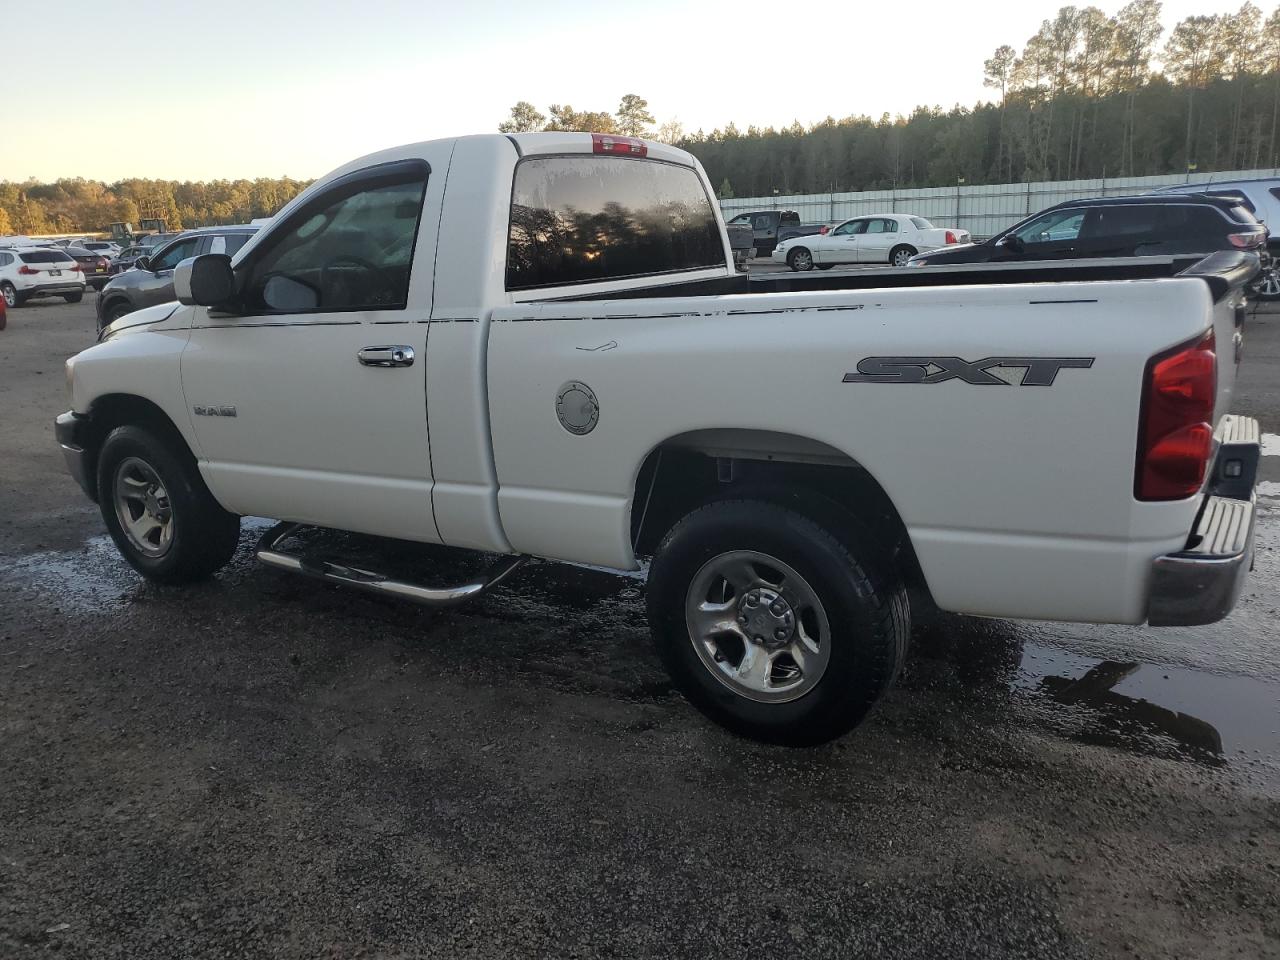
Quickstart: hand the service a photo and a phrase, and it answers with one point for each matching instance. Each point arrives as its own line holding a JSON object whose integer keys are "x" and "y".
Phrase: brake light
{"x": 620, "y": 146}
{"x": 951, "y": 237}
{"x": 1175, "y": 435}
{"x": 27, "y": 271}
{"x": 1247, "y": 241}
{"x": 76, "y": 268}
{"x": 823, "y": 229}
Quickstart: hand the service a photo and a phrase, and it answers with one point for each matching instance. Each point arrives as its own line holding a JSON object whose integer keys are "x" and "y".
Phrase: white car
{"x": 879, "y": 238}
{"x": 460, "y": 342}
{"x": 103, "y": 248}
{"x": 27, "y": 272}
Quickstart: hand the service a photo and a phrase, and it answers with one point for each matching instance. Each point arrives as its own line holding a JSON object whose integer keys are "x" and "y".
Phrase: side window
{"x": 6, "y": 259}
{"x": 845, "y": 229}
{"x": 582, "y": 218}
{"x": 1125, "y": 221}
{"x": 233, "y": 242}
{"x": 217, "y": 245}
{"x": 741, "y": 218}
{"x": 761, "y": 222}
{"x": 883, "y": 225}
{"x": 170, "y": 257}
{"x": 349, "y": 248}
{"x": 1053, "y": 227}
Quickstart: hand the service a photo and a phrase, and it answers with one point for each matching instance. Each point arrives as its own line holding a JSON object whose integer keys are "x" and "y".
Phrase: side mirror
{"x": 205, "y": 281}
{"x": 1012, "y": 243}
{"x": 142, "y": 263}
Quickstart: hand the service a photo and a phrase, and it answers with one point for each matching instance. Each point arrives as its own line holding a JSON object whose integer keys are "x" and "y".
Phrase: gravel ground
{"x": 265, "y": 766}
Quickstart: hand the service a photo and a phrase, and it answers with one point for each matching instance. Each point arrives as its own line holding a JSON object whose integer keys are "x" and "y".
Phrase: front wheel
{"x": 158, "y": 510}
{"x": 900, "y": 255}
{"x": 773, "y": 625}
{"x": 10, "y": 294}
{"x": 800, "y": 259}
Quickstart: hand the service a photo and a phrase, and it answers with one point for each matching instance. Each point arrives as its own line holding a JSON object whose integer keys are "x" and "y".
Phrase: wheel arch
{"x": 121, "y": 409}
{"x": 690, "y": 469}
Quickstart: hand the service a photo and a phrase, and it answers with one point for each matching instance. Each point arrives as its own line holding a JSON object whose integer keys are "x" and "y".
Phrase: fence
{"x": 983, "y": 210}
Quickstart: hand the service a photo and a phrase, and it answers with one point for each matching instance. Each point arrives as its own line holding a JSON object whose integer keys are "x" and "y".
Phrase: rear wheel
{"x": 1268, "y": 286}
{"x": 158, "y": 510}
{"x": 774, "y": 625}
{"x": 800, "y": 259}
{"x": 899, "y": 255}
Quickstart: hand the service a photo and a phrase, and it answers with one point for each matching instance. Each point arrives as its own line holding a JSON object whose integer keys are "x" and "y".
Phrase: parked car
{"x": 94, "y": 266}
{"x": 1262, "y": 199}
{"x": 106, "y": 248}
{"x": 28, "y": 272}
{"x": 1150, "y": 225}
{"x": 876, "y": 238}
{"x": 597, "y": 394}
{"x": 150, "y": 280}
{"x": 771, "y": 227}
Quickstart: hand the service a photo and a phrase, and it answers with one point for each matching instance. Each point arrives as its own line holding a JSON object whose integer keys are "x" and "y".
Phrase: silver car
{"x": 150, "y": 281}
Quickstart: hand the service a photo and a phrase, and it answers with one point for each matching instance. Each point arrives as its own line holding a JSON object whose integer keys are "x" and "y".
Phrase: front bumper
{"x": 72, "y": 430}
{"x": 1201, "y": 583}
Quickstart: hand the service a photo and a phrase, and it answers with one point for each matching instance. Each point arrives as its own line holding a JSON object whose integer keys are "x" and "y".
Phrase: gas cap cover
{"x": 577, "y": 408}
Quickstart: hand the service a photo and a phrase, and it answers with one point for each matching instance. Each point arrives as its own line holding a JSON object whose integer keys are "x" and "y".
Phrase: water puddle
{"x": 1153, "y": 709}
{"x": 90, "y": 579}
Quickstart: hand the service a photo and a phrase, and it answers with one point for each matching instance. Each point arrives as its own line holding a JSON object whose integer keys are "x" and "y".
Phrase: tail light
{"x": 952, "y": 237}
{"x": 620, "y": 146}
{"x": 823, "y": 229}
{"x": 1175, "y": 432}
{"x": 1248, "y": 241}
{"x": 76, "y": 268}
{"x": 27, "y": 271}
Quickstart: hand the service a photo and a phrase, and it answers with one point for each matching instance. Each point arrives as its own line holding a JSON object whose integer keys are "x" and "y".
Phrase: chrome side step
{"x": 372, "y": 582}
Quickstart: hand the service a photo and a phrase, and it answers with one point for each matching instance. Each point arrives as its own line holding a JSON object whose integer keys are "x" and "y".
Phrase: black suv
{"x": 1148, "y": 226}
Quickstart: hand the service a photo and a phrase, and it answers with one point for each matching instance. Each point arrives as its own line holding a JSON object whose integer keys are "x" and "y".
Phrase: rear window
{"x": 584, "y": 218}
{"x": 921, "y": 223}
{"x": 789, "y": 216}
{"x": 46, "y": 256}
{"x": 1244, "y": 214}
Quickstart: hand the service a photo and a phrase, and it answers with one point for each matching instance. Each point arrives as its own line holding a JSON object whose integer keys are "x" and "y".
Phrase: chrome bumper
{"x": 69, "y": 428}
{"x": 1201, "y": 583}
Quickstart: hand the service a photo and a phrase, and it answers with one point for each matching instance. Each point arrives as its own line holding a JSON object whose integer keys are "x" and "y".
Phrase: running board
{"x": 372, "y": 582}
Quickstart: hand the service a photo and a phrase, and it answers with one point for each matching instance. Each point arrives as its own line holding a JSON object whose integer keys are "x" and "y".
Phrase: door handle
{"x": 386, "y": 355}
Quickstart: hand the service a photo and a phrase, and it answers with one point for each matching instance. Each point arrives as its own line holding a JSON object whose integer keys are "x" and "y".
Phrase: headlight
{"x": 70, "y": 368}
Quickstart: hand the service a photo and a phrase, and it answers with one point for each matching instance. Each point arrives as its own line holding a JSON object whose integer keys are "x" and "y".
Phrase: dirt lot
{"x": 264, "y": 766}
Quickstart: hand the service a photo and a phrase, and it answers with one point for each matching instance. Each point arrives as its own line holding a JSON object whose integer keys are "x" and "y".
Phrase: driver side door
{"x": 841, "y": 244}
{"x": 308, "y": 400}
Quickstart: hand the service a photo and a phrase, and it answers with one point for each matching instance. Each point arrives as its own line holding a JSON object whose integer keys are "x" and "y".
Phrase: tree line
{"x": 73, "y": 205}
{"x": 1088, "y": 96}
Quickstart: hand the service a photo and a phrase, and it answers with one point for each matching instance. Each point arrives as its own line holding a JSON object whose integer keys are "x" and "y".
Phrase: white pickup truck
{"x": 537, "y": 345}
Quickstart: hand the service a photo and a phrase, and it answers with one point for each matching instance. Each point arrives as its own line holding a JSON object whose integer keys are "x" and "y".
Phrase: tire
{"x": 837, "y": 591}
{"x": 900, "y": 254}
{"x": 800, "y": 259}
{"x": 1267, "y": 289}
{"x": 10, "y": 294}
{"x": 114, "y": 311}
{"x": 73, "y": 297}
{"x": 201, "y": 536}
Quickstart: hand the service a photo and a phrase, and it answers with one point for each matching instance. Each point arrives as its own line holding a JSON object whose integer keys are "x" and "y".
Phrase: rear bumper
{"x": 71, "y": 430}
{"x": 52, "y": 288}
{"x": 1201, "y": 583}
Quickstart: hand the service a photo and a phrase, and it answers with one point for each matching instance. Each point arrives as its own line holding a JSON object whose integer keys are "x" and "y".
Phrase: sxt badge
{"x": 1037, "y": 371}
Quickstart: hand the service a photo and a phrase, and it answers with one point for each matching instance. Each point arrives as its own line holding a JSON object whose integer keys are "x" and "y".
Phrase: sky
{"x": 272, "y": 88}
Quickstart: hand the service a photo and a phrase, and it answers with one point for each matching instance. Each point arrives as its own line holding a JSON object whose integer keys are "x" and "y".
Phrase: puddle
{"x": 1155, "y": 709}
{"x": 89, "y": 579}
